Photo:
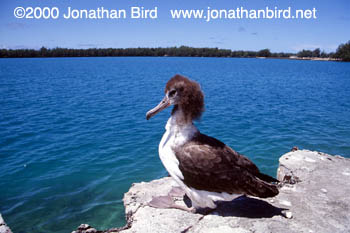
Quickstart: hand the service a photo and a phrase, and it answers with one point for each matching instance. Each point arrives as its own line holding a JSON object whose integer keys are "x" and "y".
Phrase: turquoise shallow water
{"x": 73, "y": 134}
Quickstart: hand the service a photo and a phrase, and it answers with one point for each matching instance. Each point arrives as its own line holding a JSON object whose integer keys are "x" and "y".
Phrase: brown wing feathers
{"x": 208, "y": 164}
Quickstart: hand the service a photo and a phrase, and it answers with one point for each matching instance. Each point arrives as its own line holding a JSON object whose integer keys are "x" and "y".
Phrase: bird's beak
{"x": 162, "y": 105}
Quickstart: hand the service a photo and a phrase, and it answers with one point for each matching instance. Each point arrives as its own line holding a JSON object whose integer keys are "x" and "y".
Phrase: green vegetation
{"x": 264, "y": 53}
{"x": 342, "y": 53}
{"x": 182, "y": 51}
{"x": 315, "y": 53}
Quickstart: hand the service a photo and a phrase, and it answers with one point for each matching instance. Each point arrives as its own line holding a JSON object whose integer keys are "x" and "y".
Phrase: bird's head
{"x": 185, "y": 95}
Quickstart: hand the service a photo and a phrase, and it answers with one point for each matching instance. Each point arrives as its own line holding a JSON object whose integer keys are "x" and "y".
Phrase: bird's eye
{"x": 172, "y": 93}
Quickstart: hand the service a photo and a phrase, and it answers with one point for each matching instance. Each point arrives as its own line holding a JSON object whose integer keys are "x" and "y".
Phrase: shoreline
{"x": 341, "y": 54}
{"x": 3, "y": 226}
{"x": 282, "y": 58}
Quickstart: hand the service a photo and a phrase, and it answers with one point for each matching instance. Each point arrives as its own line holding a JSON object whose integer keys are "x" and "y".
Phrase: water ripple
{"x": 73, "y": 134}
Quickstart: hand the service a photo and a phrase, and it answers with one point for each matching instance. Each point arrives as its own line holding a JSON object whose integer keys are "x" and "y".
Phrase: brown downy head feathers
{"x": 191, "y": 100}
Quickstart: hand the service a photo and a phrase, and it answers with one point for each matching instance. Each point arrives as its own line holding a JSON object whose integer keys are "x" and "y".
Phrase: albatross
{"x": 205, "y": 168}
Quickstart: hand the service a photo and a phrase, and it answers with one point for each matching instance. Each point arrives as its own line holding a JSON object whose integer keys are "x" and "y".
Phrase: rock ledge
{"x": 314, "y": 197}
{"x": 3, "y": 227}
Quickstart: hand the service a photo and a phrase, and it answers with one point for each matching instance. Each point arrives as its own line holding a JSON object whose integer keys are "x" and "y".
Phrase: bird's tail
{"x": 267, "y": 178}
{"x": 265, "y": 186}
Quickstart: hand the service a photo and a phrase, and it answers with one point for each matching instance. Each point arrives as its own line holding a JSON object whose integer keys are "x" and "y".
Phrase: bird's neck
{"x": 180, "y": 127}
{"x": 180, "y": 117}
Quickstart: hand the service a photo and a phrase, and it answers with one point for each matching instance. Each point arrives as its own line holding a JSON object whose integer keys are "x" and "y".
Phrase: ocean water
{"x": 73, "y": 134}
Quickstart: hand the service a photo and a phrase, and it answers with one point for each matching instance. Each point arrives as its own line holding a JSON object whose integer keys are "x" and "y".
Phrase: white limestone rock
{"x": 3, "y": 227}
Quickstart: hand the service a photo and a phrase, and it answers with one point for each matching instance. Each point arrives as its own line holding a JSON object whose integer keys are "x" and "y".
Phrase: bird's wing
{"x": 208, "y": 164}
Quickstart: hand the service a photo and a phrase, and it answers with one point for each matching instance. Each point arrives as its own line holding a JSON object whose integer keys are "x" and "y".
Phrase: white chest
{"x": 174, "y": 136}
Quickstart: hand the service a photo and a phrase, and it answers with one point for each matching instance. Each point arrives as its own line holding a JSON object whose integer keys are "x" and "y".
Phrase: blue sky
{"x": 326, "y": 32}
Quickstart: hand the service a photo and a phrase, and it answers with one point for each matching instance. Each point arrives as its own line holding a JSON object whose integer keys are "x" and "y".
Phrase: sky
{"x": 327, "y": 31}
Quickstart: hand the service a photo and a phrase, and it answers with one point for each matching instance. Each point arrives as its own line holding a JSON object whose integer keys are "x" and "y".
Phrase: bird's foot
{"x": 167, "y": 202}
{"x": 161, "y": 202}
{"x": 177, "y": 192}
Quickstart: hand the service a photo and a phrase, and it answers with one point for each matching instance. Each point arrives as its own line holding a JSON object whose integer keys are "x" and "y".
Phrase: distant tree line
{"x": 314, "y": 53}
{"x": 183, "y": 51}
{"x": 343, "y": 52}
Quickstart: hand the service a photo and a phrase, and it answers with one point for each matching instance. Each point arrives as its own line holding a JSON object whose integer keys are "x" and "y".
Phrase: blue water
{"x": 73, "y": 134}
